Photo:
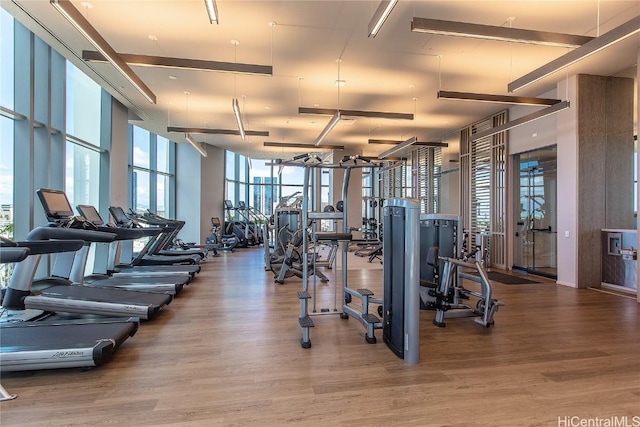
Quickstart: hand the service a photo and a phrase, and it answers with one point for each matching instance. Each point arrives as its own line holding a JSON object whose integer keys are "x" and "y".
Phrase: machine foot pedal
{"x": 364, "y": 292}
{"x": 370, "y": 318}
{"x": 305, "y": 322}
{"x": 303, "y": 295}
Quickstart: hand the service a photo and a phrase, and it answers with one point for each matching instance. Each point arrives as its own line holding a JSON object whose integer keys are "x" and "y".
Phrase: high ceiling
{"x": 397, "y": 71}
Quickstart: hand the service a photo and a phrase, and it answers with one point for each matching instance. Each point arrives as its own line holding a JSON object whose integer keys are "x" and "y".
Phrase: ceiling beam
{"x": 355, "y": 113}
{"x": 216, "y": 131}
{"x": 504, "y": 99}
{"x": 421, "y": 144}
{"x": 183, "y": 63}
{"x": 492, "y": 32}
{"x": 311, "y": 147}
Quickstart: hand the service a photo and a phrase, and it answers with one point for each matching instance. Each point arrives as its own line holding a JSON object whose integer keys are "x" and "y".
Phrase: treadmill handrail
{"x": 12, "y": 254}
{"x": 64, "y": 233}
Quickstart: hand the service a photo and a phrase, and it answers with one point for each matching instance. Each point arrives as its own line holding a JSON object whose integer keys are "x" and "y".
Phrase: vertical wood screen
{"x": 483, "y": 186}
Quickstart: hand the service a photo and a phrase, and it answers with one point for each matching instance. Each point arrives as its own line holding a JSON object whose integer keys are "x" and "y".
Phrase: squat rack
{"x": 368, "y": 320}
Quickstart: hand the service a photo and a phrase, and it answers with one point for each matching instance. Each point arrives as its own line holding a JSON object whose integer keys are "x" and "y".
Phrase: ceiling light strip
{"x": 301, "y": 145}
{"x": 212, "y": 11}
{"x": 398, "y": 148}
{"x": 417, "y": 143}
{"x": 522, "y": 120}
{"x": 380, "y": 16}
{"x": 504, "y": 99}
{"x": 355, "y": 113}
{"x": 195, "y": 145}
{"x": 217, "y": 131}
{"x": 183, "y": 63}
{"x": 491, "y": 32}
{"x": 236, "y": 114}
{"x": 332, "y": 123}
{"x": 625, "y": 30}
{"x": 66, "y": 8}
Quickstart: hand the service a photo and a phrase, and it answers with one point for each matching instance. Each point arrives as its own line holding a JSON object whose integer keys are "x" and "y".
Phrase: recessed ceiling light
{"x": 235, "y": 42}
{"x": 86, "y": 5}
{"x": 316, "y": 105}
{"x": 152, "y": 37}
{"x": 267, "y": 108}
{"x": 173, "y": 77}
{"x": 339, "y": 83}
{"x": 272, "y": 24}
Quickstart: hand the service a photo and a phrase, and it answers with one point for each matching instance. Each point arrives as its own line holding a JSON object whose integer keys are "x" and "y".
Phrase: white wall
{"x": 536, "y": 134}
{"x": 188, "y": 191}
{"x": 199, "y": 190}
{"x": 119, "y": 157}
{"x": 211, "y": 190}
{"x": 567, "y": 140}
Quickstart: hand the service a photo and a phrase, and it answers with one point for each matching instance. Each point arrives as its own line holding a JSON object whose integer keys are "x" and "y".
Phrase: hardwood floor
{"x": 226, "y": 353}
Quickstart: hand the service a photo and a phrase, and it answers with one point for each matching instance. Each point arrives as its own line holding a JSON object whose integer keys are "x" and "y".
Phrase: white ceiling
{"x": 303, "y": 48}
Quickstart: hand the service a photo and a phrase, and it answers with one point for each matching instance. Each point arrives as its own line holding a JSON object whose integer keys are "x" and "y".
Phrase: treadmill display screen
{"x": 118, "y": 215}
{"x": 90, "y": 213}
{"x": 55, "y": 204}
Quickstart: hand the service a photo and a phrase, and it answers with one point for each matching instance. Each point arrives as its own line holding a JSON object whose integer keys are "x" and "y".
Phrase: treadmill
{"x": 162, "y": 283}
{"x": 144, "y": 257}
{"x": 58, "y": 295}
{"x": 90, "y": 213}
{"x": 56, "y": 344}
{"x": 172, "y": 227}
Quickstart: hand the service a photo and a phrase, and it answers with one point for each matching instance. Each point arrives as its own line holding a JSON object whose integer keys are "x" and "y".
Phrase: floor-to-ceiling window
{"x": 152, "y": 172}
{"x": 83, "y": 125}
{"x": 6, "y": 123}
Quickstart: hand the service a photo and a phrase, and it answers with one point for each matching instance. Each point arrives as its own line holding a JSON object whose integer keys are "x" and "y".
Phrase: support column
{"x": 605, "y": 166}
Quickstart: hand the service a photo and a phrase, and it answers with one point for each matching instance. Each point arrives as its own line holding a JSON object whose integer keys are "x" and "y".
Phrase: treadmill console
{"x": 56, "y": 205}
{"x": 228, "y": 204}
{"x": 90, "y": 213}
{"x": 121, "y": 218}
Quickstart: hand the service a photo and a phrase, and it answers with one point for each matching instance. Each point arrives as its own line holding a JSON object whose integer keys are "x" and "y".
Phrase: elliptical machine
{"x": 218, "y": 241}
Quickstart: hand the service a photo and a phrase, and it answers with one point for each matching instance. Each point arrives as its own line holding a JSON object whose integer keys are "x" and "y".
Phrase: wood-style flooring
{"x": 226, "y": 352}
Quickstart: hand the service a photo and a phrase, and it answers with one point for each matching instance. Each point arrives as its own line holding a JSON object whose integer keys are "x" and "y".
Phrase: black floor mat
{"x": 508, "y": 279}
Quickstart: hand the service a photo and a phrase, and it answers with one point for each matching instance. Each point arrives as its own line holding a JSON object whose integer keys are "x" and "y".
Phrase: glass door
{"x": 535, "y": 242}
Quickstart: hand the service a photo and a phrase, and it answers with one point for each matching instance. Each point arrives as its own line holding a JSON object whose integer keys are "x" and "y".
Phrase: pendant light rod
{"x": 79, "y": 22}
{"x": 522, "y": 120}
{"x": 625, "y": 30}
{"x": 195, "y": 145}
{"x": 238, "y": 116}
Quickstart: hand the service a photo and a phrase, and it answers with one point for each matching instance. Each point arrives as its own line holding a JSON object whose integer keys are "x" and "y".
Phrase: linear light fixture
{"x": 212, "y": 11}
{"x": 355, "y": 113}
{"x": 73, "y": 15}
{"x": 183, "y": 63}
{"x": 417, "y": 143}
{"x": 625, "y": 30}
{"x": 492, "y": 32}
{"x": 398, "y": 148}
{"x": 522, "y": 120}
{"x": 301, "y": 145}
{"x": 381, "y": 14}
{"x": 328, "y": 128}
{"x": 391, "y": 167}
{"x": 504, "y": 99}
{"x": 236, "y": 114}
{"x": 217, "y": 131}
{"x": 195, "y": 145}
